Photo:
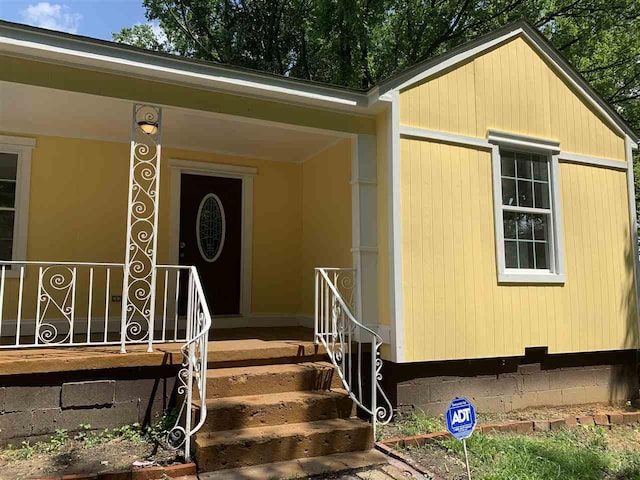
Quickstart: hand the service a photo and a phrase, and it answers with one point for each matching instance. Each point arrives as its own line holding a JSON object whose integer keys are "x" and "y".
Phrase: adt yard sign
{"x": 461, "y": 418}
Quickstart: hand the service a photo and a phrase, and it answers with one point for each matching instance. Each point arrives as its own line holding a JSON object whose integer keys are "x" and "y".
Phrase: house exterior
{"x": 482, "y": 201}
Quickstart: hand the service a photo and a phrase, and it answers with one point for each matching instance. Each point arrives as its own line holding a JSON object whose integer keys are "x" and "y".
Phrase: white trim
{"x": 18, "y": 141}
{"x": 445, "y": 137}
{"x": 116, "y": 59}
{"x": 216, "y": 169}
{"x": 461, "y": 57}
{"x": 594, "y": 161}
{"x": 364, "y": 249}
{"x": 246, "y": 174}
{"x": 556, "y": 275}
{"x": 395, "y": 230}
{"x": 633, "y": 221}
{"x": 548, "y": 278}
{"x": 355, "y": 227}
{"x": 517, "y": 140}
{"x": 364, "y": 228}
{"x": 22, "y": 146}
{"x": 536, "y": 44}
{"x": 364, "y": 181}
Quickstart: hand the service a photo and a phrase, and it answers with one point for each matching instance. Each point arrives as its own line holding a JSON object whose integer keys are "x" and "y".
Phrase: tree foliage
{"x": 358, "y": 42}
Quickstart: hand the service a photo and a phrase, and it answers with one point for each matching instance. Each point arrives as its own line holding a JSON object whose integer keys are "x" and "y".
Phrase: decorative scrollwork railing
{"x": 192, "y": 377}
{"x": 346, "y": 340}
{"x": 78, "y": 304}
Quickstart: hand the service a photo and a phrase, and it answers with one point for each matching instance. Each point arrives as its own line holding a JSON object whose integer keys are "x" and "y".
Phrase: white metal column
{"x": 365, "y": 228}
{"x": 138, "y": 287}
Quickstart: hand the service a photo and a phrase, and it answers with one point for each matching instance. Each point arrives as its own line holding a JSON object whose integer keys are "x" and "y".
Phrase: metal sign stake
{"x": 466, "y": 457}
{"x": 461, "y": 421}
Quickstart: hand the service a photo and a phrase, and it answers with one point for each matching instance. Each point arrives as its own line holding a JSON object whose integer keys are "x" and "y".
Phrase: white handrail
{"x": 194, "y": 367}
{"x": 336, "y": 328}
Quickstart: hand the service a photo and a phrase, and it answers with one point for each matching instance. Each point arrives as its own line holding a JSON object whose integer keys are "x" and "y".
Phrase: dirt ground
{"x": 77, "y": 457}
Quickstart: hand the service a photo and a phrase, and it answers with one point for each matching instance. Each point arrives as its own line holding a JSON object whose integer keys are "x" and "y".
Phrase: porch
{"x": 228, "y": 346}
{"x": 73, "y": 237}
{"x": 158, "y": 231}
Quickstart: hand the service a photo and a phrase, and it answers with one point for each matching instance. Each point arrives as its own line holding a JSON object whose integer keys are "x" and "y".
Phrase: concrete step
{"x": 242, "y": 353}
{"x": 265, "y": 379}
{"x": 255, "y": 446}
{"x": 303, "y": 468}
{"x": 233, "y": 413}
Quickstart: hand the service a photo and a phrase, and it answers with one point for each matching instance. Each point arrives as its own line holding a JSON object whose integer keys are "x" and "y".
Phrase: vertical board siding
{"x": 453, "y": 305}
{"x": 510, "y": 88}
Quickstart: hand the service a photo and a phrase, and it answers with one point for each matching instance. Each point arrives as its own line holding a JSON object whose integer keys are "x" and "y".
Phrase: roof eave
{"x": 50, "y": 46}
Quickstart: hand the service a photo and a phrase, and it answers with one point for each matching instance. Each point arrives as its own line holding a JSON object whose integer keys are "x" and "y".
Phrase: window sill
{"x": 529, "y": 278}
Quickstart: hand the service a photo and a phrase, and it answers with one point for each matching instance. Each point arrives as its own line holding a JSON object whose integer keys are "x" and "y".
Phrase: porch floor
{"x": 231, "y": 346}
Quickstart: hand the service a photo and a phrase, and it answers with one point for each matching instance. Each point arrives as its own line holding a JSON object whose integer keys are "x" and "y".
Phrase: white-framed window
{"x": 527, "y": 209}
{"x": 15, "y": 177}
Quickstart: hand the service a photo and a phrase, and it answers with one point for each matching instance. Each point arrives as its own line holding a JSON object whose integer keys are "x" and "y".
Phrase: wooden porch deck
{"x": 235, "y": 345}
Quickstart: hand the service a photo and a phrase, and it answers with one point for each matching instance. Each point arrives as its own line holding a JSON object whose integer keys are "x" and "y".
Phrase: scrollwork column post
{"x": 139, "y": 281}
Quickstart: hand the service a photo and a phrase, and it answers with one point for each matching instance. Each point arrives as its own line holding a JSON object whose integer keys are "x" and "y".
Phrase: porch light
{"x": 150, "y": 128}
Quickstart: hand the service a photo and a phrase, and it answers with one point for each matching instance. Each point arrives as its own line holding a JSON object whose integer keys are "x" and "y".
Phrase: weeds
{"x": 418, "y": 423}
{"x": 87, "y": 437}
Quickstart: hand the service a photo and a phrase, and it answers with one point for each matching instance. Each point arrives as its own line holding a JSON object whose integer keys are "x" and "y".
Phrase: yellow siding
{"x": 510, "y": 88}
{"x": 326, "y": 215}
{"x": 78, "y": 207}
{"x": 453, "y": 306}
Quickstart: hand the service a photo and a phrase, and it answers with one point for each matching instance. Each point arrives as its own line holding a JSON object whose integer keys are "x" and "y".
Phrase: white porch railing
{"x": 46, "y": 304}
{"x": 346, "y": 340}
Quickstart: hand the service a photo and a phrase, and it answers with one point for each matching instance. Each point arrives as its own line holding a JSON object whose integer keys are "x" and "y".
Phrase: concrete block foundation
{"x": 35, "y": 405}
{"x": 504, "y": 385}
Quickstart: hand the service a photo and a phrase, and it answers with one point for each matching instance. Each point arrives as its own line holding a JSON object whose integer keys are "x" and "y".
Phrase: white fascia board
{"x": 112, "y": 58}
{"x": 633, "y": 222}
{"x": 552, "y": 56}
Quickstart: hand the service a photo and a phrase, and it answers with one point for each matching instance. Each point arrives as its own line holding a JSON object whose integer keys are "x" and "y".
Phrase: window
{"x": 8, "y": 176}
{"x": 527, "y": 226}
{"x": 15, "y": 167}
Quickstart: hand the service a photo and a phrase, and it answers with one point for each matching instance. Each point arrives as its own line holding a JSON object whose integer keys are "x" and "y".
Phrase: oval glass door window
{"x": 210, "y": 227}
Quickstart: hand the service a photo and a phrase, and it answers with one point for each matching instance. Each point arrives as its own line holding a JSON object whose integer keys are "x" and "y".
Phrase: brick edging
{"x": 135, "y": 473}
{"x": 523, "y": 426}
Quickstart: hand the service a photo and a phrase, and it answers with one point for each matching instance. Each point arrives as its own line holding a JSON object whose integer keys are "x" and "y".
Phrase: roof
{"x": 48, "y": 45}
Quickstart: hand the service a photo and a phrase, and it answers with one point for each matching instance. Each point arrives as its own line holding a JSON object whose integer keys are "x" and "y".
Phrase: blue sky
{"x": 93, "y": 18}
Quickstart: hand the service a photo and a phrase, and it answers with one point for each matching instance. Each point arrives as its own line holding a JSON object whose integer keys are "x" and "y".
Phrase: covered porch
{"x": 90, "y": 267}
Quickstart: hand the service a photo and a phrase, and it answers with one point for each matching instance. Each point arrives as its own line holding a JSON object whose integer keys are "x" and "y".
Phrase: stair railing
{"x": 192, "y": 377}
{"x": 346, "y": 339}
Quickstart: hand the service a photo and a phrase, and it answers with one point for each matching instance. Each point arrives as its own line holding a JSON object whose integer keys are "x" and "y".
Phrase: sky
{"x": 92, "y": 18}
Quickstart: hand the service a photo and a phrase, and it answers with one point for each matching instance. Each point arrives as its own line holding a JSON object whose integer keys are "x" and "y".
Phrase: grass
{"x": 584, "y": 453}
{"x": 579, "y": 454}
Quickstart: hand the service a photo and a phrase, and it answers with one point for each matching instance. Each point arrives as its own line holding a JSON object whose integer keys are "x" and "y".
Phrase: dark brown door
{"x": 211, "y": 237}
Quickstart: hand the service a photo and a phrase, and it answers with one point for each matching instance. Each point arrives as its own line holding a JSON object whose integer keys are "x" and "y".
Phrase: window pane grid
{"x": 8, "y": 190}
{"x": 526, "y": 210}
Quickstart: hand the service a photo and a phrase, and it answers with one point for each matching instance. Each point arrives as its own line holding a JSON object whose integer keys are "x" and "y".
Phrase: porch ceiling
{"x": 26, "y": 109}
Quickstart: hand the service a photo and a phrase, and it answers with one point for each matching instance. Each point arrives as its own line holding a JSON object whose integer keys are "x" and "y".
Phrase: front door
{"x": 211, "y": 237}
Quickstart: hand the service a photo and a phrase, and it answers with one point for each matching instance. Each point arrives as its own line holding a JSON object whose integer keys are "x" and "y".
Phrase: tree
{"x": 355, "y": 43}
